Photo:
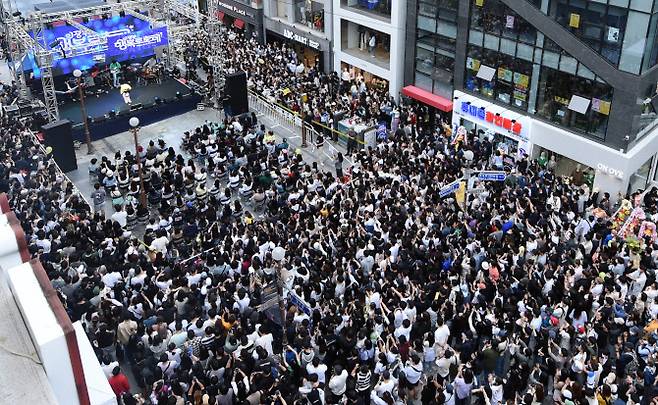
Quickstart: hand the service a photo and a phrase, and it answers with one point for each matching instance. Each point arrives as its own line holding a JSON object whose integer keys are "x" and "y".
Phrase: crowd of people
{"x": 275, "y": 72}
{"x": 393, "y": 294}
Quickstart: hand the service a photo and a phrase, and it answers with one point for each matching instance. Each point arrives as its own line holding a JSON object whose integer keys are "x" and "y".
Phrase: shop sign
{"x": 609, "y": 170}
{"x": 449, "y": 188}
{"x": 233, "y": 8}
{"x": 492, "y": 176}
{"x": 301, "y": 39}
{"x": 490, "y": 117}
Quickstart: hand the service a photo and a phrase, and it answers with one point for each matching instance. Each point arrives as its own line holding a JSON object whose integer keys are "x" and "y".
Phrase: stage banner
{"x": 117, "y": 38}
{"x": 136, "y": 44}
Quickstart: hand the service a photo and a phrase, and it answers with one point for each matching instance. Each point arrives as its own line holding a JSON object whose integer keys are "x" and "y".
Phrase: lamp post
{"x": 78, "y": 77}
{"x": 134, "y": 124}
{"x": 278, "y": 254}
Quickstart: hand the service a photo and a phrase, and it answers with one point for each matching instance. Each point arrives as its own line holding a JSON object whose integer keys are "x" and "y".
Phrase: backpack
{"x": 632, "y": 366}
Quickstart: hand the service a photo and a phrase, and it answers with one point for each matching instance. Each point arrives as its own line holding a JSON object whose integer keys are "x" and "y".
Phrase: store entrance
{"x": 508, "y": 147}
{"x": 372, "y": 81}
{"x": 563, "y": 166}
{"x": 309, "y": 56}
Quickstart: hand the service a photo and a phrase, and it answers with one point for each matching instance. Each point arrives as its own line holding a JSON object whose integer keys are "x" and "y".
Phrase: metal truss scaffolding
{"x": 217, "y": 57}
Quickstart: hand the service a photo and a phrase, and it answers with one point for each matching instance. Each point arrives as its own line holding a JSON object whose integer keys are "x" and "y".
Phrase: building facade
{"x": 305, "y": 25}
{"x": 369, "y": 40}
{"x": 576, "y": 75}
{"x": 243, "y": 15}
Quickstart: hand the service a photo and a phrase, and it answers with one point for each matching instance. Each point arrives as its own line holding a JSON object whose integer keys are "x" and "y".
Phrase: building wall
{"x": 280, "y": 15}
{"x": 628, "y": 89}
{"x": 395, "y": 28}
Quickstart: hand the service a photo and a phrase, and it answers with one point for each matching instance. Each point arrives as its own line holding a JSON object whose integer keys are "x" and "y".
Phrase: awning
{"x": 220, "y": 15}
{"x": 428, "y": 98}
{"x": 238, "y": 23}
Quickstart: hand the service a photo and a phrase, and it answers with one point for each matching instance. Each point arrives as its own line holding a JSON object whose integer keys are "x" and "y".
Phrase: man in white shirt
{"x": 314, "y": 367}
{"x": 385, "y": 384}
{"x": 264, "y": 340}
{"x": 120, "y": 216}
{"x": 338, "y": 383}
{"x": 442, "y": 333}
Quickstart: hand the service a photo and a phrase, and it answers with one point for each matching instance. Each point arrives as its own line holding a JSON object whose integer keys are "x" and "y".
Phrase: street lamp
{"x": 134, "y": 124}
{"x": 279, "y": 254}
{"x": 78, "y": 77}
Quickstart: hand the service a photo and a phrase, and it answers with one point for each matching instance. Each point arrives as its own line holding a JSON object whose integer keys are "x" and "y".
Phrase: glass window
{"x": 524, "y": 51}
{"x": 555, "y": 91}
{"x": 424, "y": 60}
{"x": 641, "y": 5}
{"x": 423, "y": 81}
{"x": 447, "y": 29}
{"x": 426, "y": 23}
{"x": 428, "y": 9}
{"x": 378, "y": 7}
{"x": 651, "y": 51}
{"x": 509, "y": 85}
{"x": 475, "y": 37}
{"x": 493, "y": 17}
{"x": 634, "y": 42}
{"x": 601, "y": 27}
{"x": 310, "y": 13}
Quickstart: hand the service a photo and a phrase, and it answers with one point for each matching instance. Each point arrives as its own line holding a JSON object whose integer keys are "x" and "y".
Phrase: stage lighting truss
{"x": 21, "y": 43}
{"x": 217, "y": 57}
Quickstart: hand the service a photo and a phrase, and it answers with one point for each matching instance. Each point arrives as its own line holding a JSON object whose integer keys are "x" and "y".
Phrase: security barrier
{"x": 286, "y": 117}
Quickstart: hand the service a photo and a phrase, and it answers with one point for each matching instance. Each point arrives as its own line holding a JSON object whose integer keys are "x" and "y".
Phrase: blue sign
{"x": 492, "y": 176}
{"x": 382, "y": 133}
{"x": 119, "y": 38}
{"x": 299, "y": 303}
{"x": 449, "y": 189}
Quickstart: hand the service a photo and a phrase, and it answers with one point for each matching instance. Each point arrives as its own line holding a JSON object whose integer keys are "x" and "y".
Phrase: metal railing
{"x": 641, "y": 126}
{"x": 284, "y": 116}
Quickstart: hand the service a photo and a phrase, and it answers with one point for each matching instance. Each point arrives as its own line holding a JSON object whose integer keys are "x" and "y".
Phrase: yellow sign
{"x": 574, "y": 20}
{"x": 460, "y": 194}
{"x": 561, "y": 100}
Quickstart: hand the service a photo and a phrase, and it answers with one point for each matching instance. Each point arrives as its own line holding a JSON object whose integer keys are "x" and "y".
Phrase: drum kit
{"x": 144, "y": 74}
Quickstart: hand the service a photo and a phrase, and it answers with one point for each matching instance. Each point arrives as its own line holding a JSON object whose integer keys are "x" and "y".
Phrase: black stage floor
{"x": 102, "y": 104}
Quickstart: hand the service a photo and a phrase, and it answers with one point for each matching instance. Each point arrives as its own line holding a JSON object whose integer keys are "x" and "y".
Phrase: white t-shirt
{"x": 265, "y": 341}
{"x": 320, "y": 370}
{"x": 120, "y": 217}
{"x": 441, "y": 335}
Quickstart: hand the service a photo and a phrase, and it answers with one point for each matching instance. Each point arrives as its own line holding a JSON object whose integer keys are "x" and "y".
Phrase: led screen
{"x": 120, "y": 38}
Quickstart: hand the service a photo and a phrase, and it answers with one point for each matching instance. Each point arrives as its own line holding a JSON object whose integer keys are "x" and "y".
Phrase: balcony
{"x": 377, "y": 9}
{"x": 356, "y": 40}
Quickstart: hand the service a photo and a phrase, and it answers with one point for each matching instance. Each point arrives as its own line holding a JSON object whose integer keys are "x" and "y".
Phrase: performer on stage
{"x": 115, "y": 68}
{"x": 124, "y": 89}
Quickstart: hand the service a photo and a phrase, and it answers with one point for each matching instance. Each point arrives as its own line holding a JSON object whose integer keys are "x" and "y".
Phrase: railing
{"x": 642, "y": 125}
{"x": 284, "y": 116}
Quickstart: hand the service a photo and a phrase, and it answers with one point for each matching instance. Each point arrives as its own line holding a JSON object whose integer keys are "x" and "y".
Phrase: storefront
{"x": 241, "y": 17}
{"x": 312, "y": 49}
{"x": 615, "y": 171}
{"x": 508, "y": 130}
{"x": 371, "y": 80}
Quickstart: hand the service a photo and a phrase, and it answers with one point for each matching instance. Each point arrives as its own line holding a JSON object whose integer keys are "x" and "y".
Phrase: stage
{"x": 99, "y": 107}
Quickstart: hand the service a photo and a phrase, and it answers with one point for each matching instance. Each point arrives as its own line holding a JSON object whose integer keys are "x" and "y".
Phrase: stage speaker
{"x": 235, "y": 93}
{"x": 59, "y": 136}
